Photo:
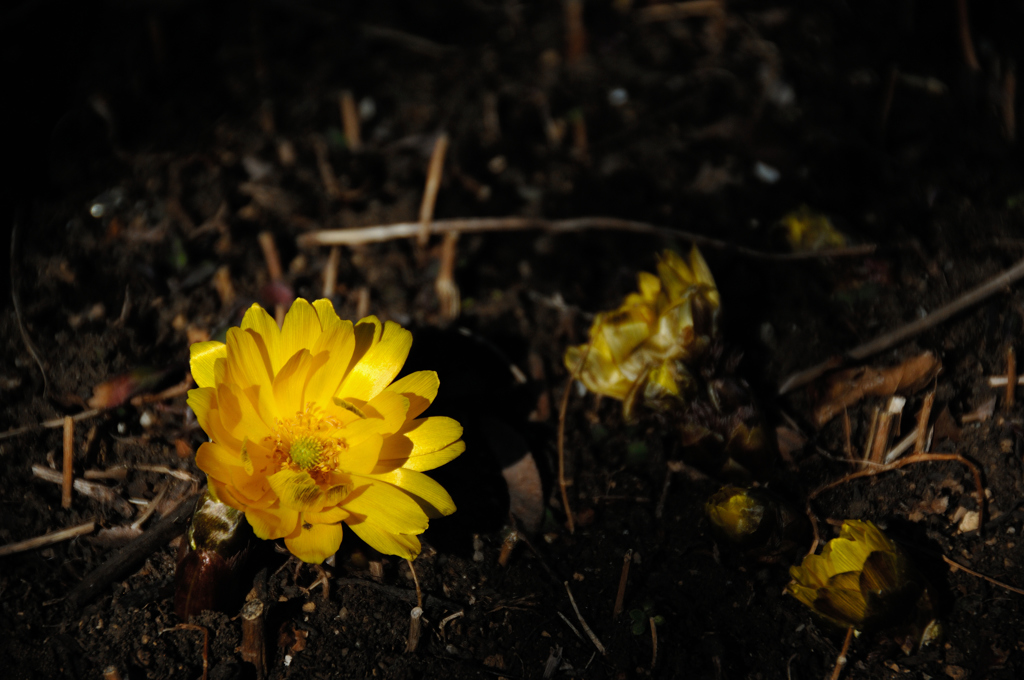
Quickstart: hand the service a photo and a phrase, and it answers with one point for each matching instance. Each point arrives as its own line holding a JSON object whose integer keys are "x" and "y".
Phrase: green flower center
{"x": 306, "y": 452}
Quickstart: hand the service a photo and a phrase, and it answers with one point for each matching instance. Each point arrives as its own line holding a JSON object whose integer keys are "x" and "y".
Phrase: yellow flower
{"x": 736, "y": 512}
{"x": 860, "y": 579}
{"x": 807, "y": 230}
{"x": 645, "y": 349}
{"x": 308, "y": 430}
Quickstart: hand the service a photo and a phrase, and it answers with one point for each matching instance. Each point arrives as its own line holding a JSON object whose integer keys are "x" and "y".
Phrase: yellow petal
{"x": 420, "y": 462}
{"x": 623, "y": 333}
{"x": 234, "y": 421}
{"x": 290, "y": 383}
{"x": 217, "y": 461}
{"x": 329, "y": 319}
{"x": 432, "y": 434}
{"x": 367, "y": 332}
{"x": 402, "y": 545}
{"x": 246, "y": 363}
{"x": 391, "y": 509}
{"x": 422, "y": 486}
{"x": 328, "y": 516}
{"x": 379, "y": 366}
{"x": 272, "y": 524}
{"x": 200, "y": 400}
{"x": 338, "y": 342}
{"x": 260, "y": 322}
{"x": 222, "y": 492}
{"x": 315, "y": 542}
{"x": 362, "y": 457}
{"x": 390, "y": 409}
{"x": 297, "y": 490}
{"x": 649, "y": 285}
{"x": 423, "y": 444}
{"x": 253, "y": 490}
{"x": 301, "y": 330}
{"x": 420, "y": 388}
{"x": 203, "y": 356}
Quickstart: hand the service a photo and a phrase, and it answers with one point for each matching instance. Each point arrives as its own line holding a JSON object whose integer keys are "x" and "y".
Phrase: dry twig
{"x": 910, "y": 460}
{"x": 621, "y": 594}
{"x": 654, "y": 642}
{"x": 16, "y": 301}
{"x": 447, "y": 290}
{"x": 433, "y": 185}
{"x": 415, "y": 615}
{"x": 586, "y": 628}
{"x": 68, "y": 476}
{"x": 991, "y": 580}
{"x": 562, "y": 409}
{"x": 47, "y": 539}
{"x": 254, "y": 645}
{"x": 331, "y": 272}
{"x": 124, "y": 560}
{"x": 966, "y": 44}
{"x": 841, "y": 660}
{"x": 679, "y": 10}
{"x": 98, "y": 492}
{"x": 887, "y": 340}
{"x": 1011, "y": 378}
{"x": 350, "y": 120}
{"x": 391, "y": 232}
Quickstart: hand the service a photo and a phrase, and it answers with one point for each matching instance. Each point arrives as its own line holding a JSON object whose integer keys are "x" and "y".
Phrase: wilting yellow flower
{"x": 736, "y": 512}
{"x": 808, "y": 230}
{"x": 860, "y": 579}
{"x": 308, "y": 430}
{"x": 644, "y": 350}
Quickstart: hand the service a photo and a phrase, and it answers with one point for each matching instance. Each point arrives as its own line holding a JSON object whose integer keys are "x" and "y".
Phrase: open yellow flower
{"x": 308, "y": 430}
{"x": 645, "y": 349}
{"x": 860, "y": 579}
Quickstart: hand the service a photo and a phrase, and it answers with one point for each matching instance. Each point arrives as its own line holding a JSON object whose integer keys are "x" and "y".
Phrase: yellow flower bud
{"x": 736, "y": 512}
{"x": 861, "y": 580}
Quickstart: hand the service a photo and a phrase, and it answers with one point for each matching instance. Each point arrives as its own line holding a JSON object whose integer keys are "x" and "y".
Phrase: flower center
{"x": 308, "y": 441}
{"x": 306, "y": 452}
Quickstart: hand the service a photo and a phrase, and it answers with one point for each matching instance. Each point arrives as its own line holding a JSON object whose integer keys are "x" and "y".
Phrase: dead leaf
{"x": 845, "y": 388}
{"x": 946, "y": 427}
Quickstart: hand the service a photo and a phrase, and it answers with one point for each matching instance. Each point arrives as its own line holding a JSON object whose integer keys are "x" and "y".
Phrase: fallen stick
{"x": 957, "y": 565}
{"x": 586, "y": 628}
{"x": 887, "y": 340}
{"x": 391, "y": 232}
{"x": 127, "y": 558}
{"x": 99, "y": 492}
{"x": 49, "y": 424}
{"x": 895, "y": 465}
{"x": 47, "y": 539}
{"x": 433, "y": 185}
{"x": 68, "y": 476}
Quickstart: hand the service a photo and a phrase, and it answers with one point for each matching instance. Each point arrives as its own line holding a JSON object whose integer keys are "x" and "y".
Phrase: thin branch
{"x": 47, "y": 539}
{"x": 432, "y": 186}
{"x": 561, "y": 438}
{"x": 892, "y": 338}
{"x": 586, "y": 628}
{"x": 982, "y": 576}
{"x": 16, "y": 300}
{"x": 841, "y": 660}
{"x": 909, "y": 460}
{"x": 123, "y": 561}
{"x": 390, "y": 232}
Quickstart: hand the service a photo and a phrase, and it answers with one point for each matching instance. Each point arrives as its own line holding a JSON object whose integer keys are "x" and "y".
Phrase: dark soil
{"x": 197, "y": 126}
